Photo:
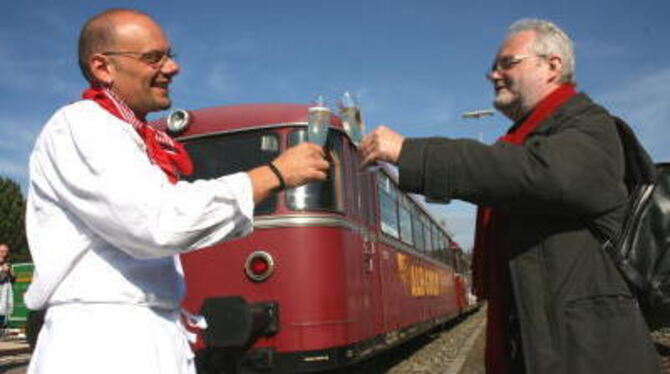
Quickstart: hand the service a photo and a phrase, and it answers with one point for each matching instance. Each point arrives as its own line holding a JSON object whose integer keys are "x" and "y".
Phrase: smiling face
{"x": 142, "y": 85}
{"x": 520, "y": 77}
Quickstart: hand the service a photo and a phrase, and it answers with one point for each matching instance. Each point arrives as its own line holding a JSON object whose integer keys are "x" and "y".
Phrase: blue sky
{"x": 416, "y": 65}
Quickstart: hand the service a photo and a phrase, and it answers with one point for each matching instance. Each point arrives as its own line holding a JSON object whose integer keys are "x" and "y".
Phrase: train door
{"x": 362, "y": 211}
{"x": 373, "y": 268}
{"x": 392, "y": 262}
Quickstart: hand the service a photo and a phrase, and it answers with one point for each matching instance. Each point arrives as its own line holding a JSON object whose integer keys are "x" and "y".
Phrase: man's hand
{"x": 297, "y": 165}
{"x": 383, "y": 144}
{"x": 302, "y": 164}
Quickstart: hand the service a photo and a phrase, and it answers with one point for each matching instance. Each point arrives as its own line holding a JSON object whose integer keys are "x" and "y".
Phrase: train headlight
{"x": 177, "y": 121}
{"x": 259, "y": 266}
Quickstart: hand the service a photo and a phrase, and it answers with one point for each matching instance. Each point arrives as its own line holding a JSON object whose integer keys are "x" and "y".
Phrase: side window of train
{"x": 405, "y": 215}
{"x": 388, "y": 204}
{"x": 426, "y": 233}
{"x": 370, "y": 196}
{"x": 452, "y": 258}
{"x": 437, "y": 242}
{"x": 328, "y": 195}
{"x": 417, "y": 228}
{"x": 358, "y": 186}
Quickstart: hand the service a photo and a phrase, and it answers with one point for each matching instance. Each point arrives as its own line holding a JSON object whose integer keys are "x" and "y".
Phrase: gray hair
{"x": 550, "y": 40}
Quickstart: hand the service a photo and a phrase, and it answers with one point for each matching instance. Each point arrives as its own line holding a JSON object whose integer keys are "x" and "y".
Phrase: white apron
{"x": 111, "y": 339}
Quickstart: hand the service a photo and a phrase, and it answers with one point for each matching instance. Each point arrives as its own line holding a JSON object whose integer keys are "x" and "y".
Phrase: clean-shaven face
{"x": 138, "y": 79}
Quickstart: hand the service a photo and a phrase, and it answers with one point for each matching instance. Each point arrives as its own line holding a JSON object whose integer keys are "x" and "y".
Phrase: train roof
{"x": 245, "y": 116}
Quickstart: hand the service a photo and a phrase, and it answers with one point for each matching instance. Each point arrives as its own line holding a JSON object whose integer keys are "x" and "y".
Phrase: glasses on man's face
{"x": 155, "y": 59}
{"x": 504, "y": 63}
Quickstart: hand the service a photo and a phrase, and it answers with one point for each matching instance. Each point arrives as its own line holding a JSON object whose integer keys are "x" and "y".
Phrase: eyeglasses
{"x": 155, "y": 59}
{"x": 507, "y": 62}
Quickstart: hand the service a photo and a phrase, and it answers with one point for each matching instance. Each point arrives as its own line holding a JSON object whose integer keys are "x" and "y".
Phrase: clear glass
{"x": 318, "y": 122}
{"x": 352, "y": 121}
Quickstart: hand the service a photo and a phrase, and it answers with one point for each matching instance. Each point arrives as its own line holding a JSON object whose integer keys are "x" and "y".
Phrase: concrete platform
{"x": 14, "y": 353}
{"x": 11, "y": 347}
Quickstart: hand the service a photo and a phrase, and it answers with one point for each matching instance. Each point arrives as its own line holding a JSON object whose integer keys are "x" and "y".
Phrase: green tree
{"x": 12, "y": 222}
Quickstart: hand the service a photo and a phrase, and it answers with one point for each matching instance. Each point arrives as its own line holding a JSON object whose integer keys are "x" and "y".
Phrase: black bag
{"x": 641, "y": 250}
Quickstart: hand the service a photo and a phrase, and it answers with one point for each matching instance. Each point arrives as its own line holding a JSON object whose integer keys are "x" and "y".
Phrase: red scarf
{"x": 490, "y": 262}
{"x": 162, "y": 150}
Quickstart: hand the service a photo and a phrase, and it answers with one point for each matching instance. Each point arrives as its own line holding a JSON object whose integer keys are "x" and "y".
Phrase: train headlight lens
{"x": 178, "y": 121}
{"x": 259, "y": 266}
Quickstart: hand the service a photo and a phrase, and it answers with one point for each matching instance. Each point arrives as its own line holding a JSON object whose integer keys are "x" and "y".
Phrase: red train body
{"x": 333, "y": 273}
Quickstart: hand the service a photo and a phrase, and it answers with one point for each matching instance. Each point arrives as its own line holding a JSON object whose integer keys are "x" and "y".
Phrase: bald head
{"x": 99, "y": 34}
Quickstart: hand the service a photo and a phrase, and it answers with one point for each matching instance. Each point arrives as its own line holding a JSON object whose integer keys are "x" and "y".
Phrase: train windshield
{"x": 216, "y": 156}
{"x": 326, "y": 195}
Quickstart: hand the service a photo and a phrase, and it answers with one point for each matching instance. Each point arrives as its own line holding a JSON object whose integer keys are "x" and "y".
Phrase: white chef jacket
{"x": 104, "y": 226}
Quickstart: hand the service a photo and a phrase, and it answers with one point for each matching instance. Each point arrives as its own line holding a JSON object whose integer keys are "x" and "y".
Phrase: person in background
{"x": 556, "y": 302}
{"x": 107, "y": 213}
{"x": 6, "y": 279}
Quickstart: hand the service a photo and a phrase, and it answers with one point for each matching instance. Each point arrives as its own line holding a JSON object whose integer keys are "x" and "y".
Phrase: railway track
{"x": 457, "y": 348}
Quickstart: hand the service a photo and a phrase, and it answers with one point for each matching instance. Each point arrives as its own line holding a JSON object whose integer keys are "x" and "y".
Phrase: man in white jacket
{"x": 107, "y": 214}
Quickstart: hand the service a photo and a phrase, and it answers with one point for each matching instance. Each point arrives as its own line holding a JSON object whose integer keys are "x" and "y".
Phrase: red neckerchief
{"x": 162, "y": 150}
{"x": 490, "y": 269}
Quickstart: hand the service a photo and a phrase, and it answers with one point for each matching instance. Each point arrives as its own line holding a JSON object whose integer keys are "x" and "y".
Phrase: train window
{"x": 437, "y": 243}
{"x": 417, "y": 228}
{"x": 357, "y": 184}
{"x": 326, "y": 195}
{"x": 216, "y": 156}
{"x": 450, "y": 253}
{"x": 369, "y": 197}
{"x": 450, "y": 257}
{"x": 444, "y": 252}
{"x": 426, "y": 234}
{"x": 405, "y": 220}
{"x": 388, "y": 201}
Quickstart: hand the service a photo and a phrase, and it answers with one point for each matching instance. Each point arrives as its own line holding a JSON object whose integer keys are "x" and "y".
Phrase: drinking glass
{"x": 352, "y": 121}
{"x": 318, "y": 122}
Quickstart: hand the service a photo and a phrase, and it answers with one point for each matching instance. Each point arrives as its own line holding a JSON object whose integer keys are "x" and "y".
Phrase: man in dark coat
{"x": 556, "y": 303}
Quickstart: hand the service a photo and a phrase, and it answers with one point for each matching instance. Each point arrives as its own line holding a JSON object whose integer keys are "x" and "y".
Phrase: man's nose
{"x": 493, "y": 75}
{"x": 171, "y": 67}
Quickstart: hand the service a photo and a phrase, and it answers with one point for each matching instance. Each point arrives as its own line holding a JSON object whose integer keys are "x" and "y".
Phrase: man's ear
{"x": 101, "y": 69}
{"x": 555, "y": 66}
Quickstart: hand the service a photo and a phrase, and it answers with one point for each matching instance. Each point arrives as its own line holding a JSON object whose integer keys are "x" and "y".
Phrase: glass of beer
{"x": 318, "y": 122}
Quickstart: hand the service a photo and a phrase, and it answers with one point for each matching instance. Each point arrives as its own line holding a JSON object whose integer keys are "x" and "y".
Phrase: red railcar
{"x": 334, "y": 271}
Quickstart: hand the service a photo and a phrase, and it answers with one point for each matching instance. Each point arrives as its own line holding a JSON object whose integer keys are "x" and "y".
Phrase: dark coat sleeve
{"x": 572, "y": 165}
